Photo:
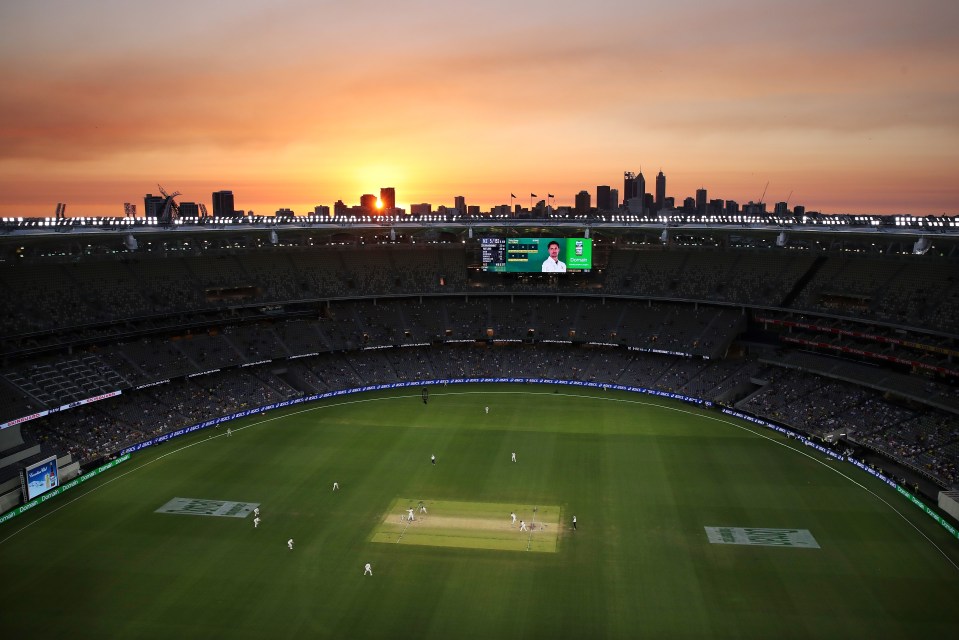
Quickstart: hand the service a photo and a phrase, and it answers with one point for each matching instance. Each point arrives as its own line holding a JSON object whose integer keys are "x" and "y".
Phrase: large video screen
{"x": 41, "y": 477}
{"x": 537, "y": 255}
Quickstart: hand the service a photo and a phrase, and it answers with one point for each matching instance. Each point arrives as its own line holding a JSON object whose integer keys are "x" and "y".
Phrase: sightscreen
{"x": 537, "y": 255}
{"x": 41, "y": 477}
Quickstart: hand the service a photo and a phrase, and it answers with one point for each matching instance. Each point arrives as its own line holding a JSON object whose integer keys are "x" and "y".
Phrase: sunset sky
{"x": 850, "y": 106}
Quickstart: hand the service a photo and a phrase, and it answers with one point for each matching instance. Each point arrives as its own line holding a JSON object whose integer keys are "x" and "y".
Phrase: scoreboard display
{"x": 537, "y": 255}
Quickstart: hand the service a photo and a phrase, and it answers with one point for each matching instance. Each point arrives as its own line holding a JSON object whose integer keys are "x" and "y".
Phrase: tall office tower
{"x": 602, "y": 198}
{"x": 388, "y": 199}
{"x": 459, "y": 203}
{"x": 153, "y": 205}
{"x": 799, "y": 210}
{"x": 582, "y": 201}
{"x": 700, "y": 201}
{"x": 223, "y": 204}
{"x": 614, "y": 199}
{"x": 368, "y": 202}
{"x": 641, "y": 187}
{"x": 660, "y": 191}
{"x": 630, "y": 186}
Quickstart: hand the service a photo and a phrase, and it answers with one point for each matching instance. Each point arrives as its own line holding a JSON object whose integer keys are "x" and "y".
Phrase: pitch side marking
{"x": 741, "y": 427}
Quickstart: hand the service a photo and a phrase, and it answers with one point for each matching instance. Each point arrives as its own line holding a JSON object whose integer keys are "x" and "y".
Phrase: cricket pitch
{"x": 470, "y": 525}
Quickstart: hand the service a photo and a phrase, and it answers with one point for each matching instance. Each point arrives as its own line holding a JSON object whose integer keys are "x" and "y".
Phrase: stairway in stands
{"x": 803, "y": 281}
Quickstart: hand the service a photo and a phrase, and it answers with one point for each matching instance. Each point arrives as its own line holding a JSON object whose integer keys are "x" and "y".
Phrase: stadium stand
{"x": 187, "y": 336}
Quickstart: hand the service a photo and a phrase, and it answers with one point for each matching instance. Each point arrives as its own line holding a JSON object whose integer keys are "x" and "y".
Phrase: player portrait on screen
{"x": 553, "y": 264}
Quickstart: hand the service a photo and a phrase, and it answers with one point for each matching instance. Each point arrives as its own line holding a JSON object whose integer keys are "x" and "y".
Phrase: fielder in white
{"x": 409, "y": 515}
{"x": 289, "y": 543}
{"x": 522, "y": 527}
{"x": 367, "y": 570}
{"x": 336, "y": 485}
{"x": 514, "y": 456}
{"x": 512, "y": 517}
{"x": 487, "y": 409}
{"x": 256, "y": 522}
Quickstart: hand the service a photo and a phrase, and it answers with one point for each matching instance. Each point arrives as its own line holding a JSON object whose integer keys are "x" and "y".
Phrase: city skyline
{"x": 850, "y": 107}
{"x": 636, "y": 200}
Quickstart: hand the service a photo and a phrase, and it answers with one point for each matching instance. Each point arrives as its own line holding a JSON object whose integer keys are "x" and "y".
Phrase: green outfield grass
{"x": 645, "y": 478}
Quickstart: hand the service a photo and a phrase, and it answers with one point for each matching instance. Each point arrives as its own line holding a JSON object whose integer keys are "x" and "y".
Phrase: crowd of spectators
{"x": 52, "y": 296}
{"x": 921, "y": 438}
{"x": 136, "y": 322}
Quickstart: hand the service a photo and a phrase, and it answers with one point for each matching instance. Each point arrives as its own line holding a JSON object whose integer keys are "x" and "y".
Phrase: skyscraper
{"x": 459, "y": 203}
{"x": 700, "y": 201}
{"x": 368, "y": 202}
{"x": 388, "y": 199}
{"x": 602, "y": 198}
{"x": 634, "y": 186}
{"x": 582, "y": 201}
{"x": 630, "y": 188}
{"x": 223, "y": 206}
{"x": 660, "y": 191}
{"x": 153, "y": 205}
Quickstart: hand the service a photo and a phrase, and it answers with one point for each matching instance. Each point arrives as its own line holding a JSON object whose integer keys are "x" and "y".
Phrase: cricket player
{"x": 256, "y": 522}
{"x": 229, "y": 432}
{"x": 512, "y": 518}
{"x": 367, "y": 570}
{"x": 409, "y": 517}
{"x": 256, "y": 512}
{"x": 574, "y": 523}
{"x": 289, "y": 543}
{"x": 487, "y": 409}
{"x": 433, "y": 459}
{"x": 422, "y": 507}
{"x": 522, "y": 527}
{"x": 336, "y": 485}
{"x": 514, "y": 456}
